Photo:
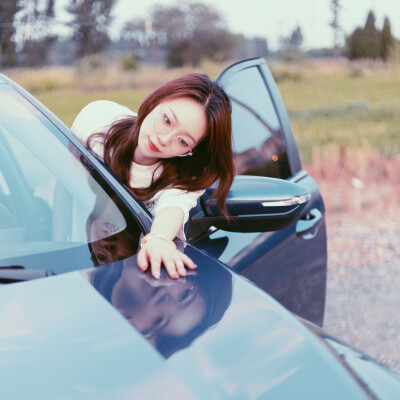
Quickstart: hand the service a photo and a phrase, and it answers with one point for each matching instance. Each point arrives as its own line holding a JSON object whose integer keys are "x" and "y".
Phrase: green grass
{"x": 345, "y": 110}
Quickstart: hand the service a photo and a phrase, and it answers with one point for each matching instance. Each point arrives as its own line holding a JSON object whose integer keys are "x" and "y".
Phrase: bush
{"x": 92, "y": 62}
{"x": 129, "y": 63}
{"x": 282, "y": 74}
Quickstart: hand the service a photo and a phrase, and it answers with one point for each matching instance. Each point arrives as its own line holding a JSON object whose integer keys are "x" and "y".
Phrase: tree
{"x": 36, "y": 18}
{"x": 90, "y": 23}
{"x": 190, "y": 30}
{"x": 355, "y": 44}
{"x": 143, "y": 41}
{"x": 369, "y": 42}
{"x": 8, "y": 10}
{"x": 335, "y": 8}
{"x": 371, "y": 37}
{"x": 293, "y": 41}
{"x": 387, "y": 41}
{"x": 296, "y": 40}
{"x": 186, "y": 32}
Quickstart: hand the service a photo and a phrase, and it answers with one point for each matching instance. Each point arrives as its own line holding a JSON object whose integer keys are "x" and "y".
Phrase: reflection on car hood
{"x": 61, "y": 338}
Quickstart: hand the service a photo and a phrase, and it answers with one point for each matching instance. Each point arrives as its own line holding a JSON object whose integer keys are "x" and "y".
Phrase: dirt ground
{"x": 363, "y": 296}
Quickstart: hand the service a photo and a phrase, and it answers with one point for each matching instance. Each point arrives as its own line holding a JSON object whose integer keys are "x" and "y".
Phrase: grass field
{"x": 337, "y": 103}
{"x": 345, "y": 105}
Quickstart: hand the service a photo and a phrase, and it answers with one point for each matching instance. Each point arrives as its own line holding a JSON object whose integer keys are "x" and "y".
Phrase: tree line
{"x": 369, "y": 41}
{"x": 178, "y": 34}
{"x": 34, "y": 39}
{"x": 364, "y": 42}
{"x": 27, "y": 29}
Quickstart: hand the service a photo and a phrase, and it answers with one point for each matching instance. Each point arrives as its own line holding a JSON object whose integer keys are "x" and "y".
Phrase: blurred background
{"x": 337, "y": 65}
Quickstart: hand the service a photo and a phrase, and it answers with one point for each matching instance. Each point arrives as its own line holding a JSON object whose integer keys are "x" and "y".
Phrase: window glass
{"x": 258, "y": 140}
{"x": 57, "y": 211}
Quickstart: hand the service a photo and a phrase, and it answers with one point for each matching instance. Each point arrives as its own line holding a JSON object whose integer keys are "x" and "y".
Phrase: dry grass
{"x": 37, "y": 80}
{"x": 106, "y": 77}
{"x": 356, "y": 180}
{"x": 312, "y": 69}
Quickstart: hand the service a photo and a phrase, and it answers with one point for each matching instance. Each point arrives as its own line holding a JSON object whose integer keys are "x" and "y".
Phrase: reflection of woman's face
{"x": 166, "y": 309}
{"x": 112, "y": 248}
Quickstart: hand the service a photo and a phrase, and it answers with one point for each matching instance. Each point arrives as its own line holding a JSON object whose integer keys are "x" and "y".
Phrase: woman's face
{"x": 173, "y": 128}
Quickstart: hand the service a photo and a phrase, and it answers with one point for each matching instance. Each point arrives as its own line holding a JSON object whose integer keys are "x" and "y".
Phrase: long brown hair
{"x": 212, "y": 159}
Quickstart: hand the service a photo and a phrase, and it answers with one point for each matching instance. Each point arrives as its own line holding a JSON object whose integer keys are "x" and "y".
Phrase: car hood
{"x": 115, "y": 332}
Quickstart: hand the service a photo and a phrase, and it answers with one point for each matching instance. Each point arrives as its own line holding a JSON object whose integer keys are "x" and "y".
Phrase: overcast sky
{"x": 272, "y": 19}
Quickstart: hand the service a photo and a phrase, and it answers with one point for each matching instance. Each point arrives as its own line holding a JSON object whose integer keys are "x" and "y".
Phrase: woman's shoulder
{"x": 97, "y": 116}
{"x": 107, "y": 107}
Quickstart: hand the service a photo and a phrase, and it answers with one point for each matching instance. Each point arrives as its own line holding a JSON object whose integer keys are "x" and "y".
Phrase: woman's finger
{"x": 155, "y": 262}
{"x": 180, "y": 266}
{"x": 170, "y": 266}
{"x": 142, "y": 259}
{"x": 188, "y": 262}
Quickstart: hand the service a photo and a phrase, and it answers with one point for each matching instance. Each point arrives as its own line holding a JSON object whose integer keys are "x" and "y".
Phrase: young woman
{"x": 174, "y": 148}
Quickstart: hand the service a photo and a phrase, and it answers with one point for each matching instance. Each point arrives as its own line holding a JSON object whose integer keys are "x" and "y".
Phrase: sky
{"x": 273, "y": 19}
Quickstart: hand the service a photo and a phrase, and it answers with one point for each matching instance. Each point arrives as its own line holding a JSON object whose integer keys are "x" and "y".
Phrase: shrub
{"x": 129, "y": 63}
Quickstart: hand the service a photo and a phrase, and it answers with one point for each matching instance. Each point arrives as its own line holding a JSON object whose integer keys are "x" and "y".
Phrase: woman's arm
{"x": 157, "y": 250}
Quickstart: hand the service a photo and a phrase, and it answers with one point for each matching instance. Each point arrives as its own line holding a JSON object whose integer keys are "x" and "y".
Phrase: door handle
{"x": 307, "y": 226}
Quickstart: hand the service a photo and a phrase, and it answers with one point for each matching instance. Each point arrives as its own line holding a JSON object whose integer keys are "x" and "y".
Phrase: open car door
{"x": 290, "y": 264}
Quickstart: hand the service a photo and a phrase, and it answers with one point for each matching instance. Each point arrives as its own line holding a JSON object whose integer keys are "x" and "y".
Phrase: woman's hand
{"x": 157, "y": 251}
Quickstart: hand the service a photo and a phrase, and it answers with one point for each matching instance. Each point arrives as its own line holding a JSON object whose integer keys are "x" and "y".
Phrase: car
{"x": 244, "y": 324}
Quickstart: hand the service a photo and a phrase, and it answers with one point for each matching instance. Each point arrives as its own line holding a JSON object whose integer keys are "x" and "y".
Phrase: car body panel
{"x": 62, "y": 329}
{"x": 60, "y": 339}
{"x": 377, "y": 380}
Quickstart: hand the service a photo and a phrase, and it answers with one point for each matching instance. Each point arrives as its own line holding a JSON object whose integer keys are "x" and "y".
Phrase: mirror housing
{"x": 255, "y": 204}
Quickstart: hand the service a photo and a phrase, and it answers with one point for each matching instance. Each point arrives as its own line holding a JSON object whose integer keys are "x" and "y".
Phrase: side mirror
{"x": 255, "y": 204}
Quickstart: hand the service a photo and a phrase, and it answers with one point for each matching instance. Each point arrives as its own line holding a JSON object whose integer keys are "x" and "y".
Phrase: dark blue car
{"x": 97, "y": 327}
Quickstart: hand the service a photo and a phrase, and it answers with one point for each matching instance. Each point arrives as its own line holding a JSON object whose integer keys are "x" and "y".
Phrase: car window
{"x": 258, "y": 140}
{"x": 56, "y": 211}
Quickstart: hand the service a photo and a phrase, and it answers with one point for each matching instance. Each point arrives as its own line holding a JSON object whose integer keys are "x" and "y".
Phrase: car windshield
{"x": 56, "y": 212}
